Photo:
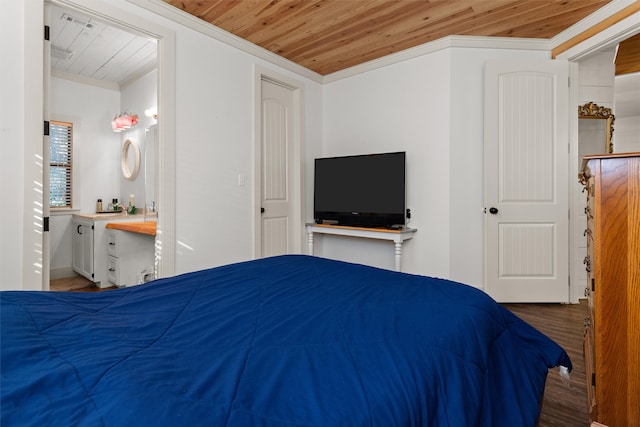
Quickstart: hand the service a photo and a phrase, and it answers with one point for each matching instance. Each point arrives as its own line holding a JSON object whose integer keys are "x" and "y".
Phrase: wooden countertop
{"x": 140, "y": 227}
{"x": 107, "y": 215}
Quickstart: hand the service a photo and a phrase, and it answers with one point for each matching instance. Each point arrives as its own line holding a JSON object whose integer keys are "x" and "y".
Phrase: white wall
{"x": 596, "y": 79}
{"x": 21, "y": 227}
{"x": 97, "y": 151}
{"x": 136, "y": 97}
{"x": 435, "y": 121}
{"x": 215, "y": 137}
{"x": 13, "y": 177}
{"x": 96, "y": 157}
{"x": 432, "y": 108}
{"x": 626, "y": 107}
{"x": 595, "y": 84}
{"x": 627, "y": 134}
{"x": 403, "y": 107}
{"x": 91, "y": 110}
{"x": 214, "y": 142}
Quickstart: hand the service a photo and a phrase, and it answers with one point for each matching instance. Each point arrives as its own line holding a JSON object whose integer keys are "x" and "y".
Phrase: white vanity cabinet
{"x": 89, "y": 244}
{"x": 131, "y": 257}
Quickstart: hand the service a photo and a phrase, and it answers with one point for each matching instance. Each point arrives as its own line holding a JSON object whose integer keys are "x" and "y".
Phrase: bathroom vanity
{"x": 90, "y": 244}
{"x": 130, "y": 246}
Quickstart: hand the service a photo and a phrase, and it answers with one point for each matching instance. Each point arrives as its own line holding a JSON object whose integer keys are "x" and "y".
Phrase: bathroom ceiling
{"x": 85, "y": 47}
{"x": 330, "y": 35}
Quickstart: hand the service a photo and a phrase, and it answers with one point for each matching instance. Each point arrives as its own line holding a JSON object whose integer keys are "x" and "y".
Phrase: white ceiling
{"x": 96, "y": 50}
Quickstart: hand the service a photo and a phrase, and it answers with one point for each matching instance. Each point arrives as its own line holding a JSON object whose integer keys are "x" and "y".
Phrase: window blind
{"x": 60, "y": 152}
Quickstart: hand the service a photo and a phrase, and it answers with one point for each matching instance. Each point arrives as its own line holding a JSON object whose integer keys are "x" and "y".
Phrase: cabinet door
{"x": 113, "y": 270}
{"x": 82, "y": 244}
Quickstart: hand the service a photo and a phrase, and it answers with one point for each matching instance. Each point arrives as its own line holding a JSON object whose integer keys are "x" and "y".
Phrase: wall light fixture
{"x": 151, "y": 112}
{"x": 123, "y": 121}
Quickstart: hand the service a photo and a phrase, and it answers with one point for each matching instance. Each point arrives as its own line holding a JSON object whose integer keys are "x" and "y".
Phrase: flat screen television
{"x": 364, "y": 191}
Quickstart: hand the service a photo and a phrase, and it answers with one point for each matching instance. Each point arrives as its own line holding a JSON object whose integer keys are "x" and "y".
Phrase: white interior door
{"x": 526, "y": 181}
{"x": 277, "y": 171}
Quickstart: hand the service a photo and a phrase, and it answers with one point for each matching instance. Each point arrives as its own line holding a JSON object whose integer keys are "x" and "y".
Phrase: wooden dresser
{"x": 612, "y": 334}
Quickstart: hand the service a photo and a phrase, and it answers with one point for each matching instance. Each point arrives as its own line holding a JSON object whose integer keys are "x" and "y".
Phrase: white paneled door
{"x": 526, "y": 181}
{"x": 278, "y": 172}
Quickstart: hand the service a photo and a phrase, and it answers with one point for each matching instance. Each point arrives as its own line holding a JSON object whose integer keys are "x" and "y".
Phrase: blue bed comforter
{"x": 283, "y": 341}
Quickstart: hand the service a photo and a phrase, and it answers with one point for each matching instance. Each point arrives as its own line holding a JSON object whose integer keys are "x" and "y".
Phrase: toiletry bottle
{"x": 99, "y": 206}
{"x": 115, "y": 204}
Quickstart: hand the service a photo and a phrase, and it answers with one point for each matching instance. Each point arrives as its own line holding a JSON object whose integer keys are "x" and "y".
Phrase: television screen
{"x": 365, "y": 190}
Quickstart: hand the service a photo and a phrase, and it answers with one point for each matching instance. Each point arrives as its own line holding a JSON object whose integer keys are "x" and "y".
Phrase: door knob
{"x": 261, "y": 210}
{"x": 493, "y": 211}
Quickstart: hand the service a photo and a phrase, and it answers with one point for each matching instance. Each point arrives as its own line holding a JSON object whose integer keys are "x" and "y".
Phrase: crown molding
{"x": 85, "y": 80}
{"x": 153, "y": 66}
{"x": 103, "y": 84}
{"x": 606, "y": 38}
{"x": 440, "y": 44}
{"x": 591, "y": 21}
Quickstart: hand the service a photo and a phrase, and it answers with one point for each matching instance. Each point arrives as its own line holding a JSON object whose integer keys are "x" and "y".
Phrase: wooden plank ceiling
{"x": 628, "y": 56}
{"x": 330, "y": 35}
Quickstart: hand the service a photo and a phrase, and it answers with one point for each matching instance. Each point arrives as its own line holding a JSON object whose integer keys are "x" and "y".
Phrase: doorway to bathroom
{"x": 74, "y": 73}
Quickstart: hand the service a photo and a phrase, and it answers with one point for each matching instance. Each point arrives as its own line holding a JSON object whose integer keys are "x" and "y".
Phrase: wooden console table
{"x": 396, "y": 236}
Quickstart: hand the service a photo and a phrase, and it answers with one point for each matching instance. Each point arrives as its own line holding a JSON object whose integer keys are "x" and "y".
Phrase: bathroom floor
{"x": 75, "y": 284}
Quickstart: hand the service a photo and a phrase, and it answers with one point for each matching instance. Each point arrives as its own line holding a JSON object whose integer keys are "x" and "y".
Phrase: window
{"x": 60, "y": 159}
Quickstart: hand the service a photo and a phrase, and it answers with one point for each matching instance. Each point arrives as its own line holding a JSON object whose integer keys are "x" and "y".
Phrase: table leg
{"x": 310, "y": 243}
{"x": 398, "y": 255}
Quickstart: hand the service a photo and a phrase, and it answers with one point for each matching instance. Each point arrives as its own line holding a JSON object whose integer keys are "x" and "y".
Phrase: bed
{"x": 292, "y": 340}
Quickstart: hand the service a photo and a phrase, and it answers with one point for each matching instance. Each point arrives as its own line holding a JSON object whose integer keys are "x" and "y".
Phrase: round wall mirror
{"x": 130, "y": 159}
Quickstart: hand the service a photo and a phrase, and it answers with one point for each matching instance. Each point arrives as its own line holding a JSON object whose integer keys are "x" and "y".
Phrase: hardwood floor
{"x": 75, "y": 284}
{"x": 563, "y": 404}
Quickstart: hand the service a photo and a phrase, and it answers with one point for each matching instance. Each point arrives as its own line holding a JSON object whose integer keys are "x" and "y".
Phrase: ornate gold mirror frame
{"x": 594, "y": 111}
